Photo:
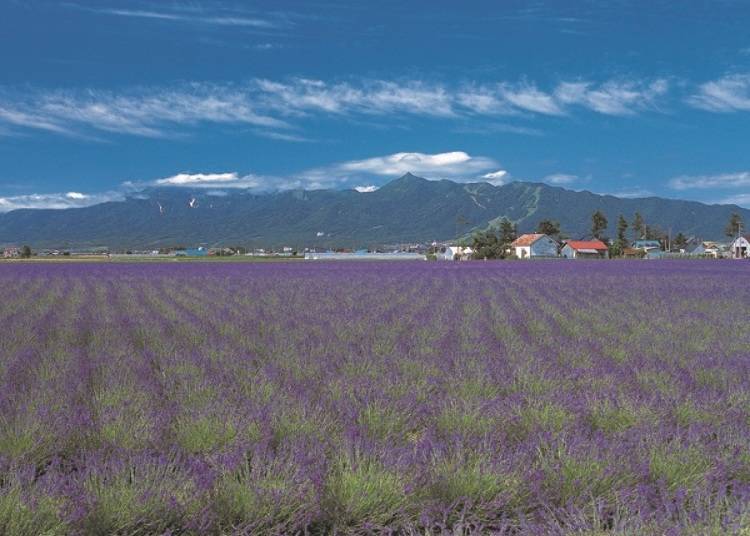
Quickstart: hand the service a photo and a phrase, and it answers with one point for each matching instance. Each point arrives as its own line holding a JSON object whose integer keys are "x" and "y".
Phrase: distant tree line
{"x": 494, "y": 242}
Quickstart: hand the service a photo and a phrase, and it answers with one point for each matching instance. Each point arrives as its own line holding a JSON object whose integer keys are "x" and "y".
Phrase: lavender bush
{"x": 420, "y": 398}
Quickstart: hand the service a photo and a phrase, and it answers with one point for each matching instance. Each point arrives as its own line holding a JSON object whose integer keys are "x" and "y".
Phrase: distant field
{"x": 148, "y": 258}
{"x": 512, "y": 398}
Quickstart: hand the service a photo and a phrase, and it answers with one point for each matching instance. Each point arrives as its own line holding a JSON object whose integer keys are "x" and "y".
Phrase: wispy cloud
{"x": 303, "y": 95}
{"x": 613, "y": 97}
{"x": 281, "y": 136}
{"x": 184, "y": 16}
{"x": 275, "y": 105}
{"x": 727, "y": 94}
{"x": 366, "y": 189}
{"x": 150, "y": 113}
{"x": 528, "y": 97}
{"x": 30, "y": 120}
{"x": 740, "y": 179}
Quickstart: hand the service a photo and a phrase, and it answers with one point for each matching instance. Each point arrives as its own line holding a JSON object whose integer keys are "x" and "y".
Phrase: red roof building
{"x": 574, "y": 249}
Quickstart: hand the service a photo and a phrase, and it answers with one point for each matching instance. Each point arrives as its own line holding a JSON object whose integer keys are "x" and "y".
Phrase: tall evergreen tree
{"x": 598, "y": 224}
{"x": 680, "y": 241}
{"x": 622, "y": 228}
{"x": 733, "y": 226}
{"x": 638, "y": 226}
{"x": 508, "y": 231}
{"x": 549, "y": 227}
{"x": 622, "y": 239}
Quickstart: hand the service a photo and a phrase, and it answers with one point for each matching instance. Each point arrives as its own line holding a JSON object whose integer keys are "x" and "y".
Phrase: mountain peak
{"x": 409, "y": 177}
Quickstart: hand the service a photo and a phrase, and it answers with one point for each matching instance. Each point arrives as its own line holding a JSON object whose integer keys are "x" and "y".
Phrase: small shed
{"x": 740, "y": 248}
{"x": 585, "y": 249}
{"x": 534, "y": 245}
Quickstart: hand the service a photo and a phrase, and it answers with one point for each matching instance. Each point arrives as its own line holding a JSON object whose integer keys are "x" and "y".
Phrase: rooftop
{"x": 597, "y": 245}
{"x": 526, "y": 239}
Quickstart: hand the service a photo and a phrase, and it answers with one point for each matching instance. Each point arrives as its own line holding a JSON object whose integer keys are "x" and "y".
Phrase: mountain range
{"x": 407, "y": 209}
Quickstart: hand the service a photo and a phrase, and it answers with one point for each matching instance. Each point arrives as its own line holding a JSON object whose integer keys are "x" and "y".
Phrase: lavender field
{"x": 424, "y": 398}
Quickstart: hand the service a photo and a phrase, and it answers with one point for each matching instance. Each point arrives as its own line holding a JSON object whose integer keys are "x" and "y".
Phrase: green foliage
{"x": 680, "y": 241}
{"x": 611, "y": 419}
{"x": 638, "y": 226}
{"x": 576, "y": 479}
{"x": 133, "y": 500}
{"x": 545, "y": 417}
{"x": 259, "y": 497}
{"x": 494, "y": 242}
{"x": 549, "y": 227}
{"x": 734, "y": 225}
{"x": 361, "y": 490}
{"x": 463, "y": 420}
{"x": 473, "y": 481}
{"x": 598, "y": 224}
{"x": 382, "y": 421}
{"x": 622, "y": 240}
{"x": 203, "y": 434}
{"x": 686, "y": 413}
{"x": 19, "y": 517}
{"x": 678, "y": 466}
{"x": 26, "y": 252}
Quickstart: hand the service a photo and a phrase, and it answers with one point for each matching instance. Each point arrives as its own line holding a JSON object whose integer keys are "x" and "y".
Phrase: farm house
{"x": 11, "y": 252}
{"x": 740, "y": 248}
{"x": 534, "y": 245}
{"x": 453, "y": 253}
{"x": 585, "y": 249}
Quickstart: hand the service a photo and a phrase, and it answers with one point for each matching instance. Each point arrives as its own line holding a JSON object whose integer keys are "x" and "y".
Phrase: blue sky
{"x": 629, "y": 98}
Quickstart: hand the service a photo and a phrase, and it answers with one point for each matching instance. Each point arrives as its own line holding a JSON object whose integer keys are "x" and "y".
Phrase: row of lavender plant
{"x": 516, "y": 398}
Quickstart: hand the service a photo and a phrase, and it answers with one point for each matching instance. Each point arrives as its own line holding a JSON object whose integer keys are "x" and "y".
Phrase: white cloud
{"x": 455, "y": 164}
{"x": 724, "y": 180}
{"x": 216, "y": 183}
{"x": 632, "y": 193}
{"x": 190, "y": 179}
{"x": 56, "y": 200}
{"x": 560, "y": 178}
{"x": 497, "y": 178}
{"x": 728, "y": 94}
{"x": 742, "y": 200}
{"x": 612, "y": 98}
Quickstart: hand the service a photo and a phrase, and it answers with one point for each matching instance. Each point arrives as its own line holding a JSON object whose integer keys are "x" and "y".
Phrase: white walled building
{"x": 537, "y": 245}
